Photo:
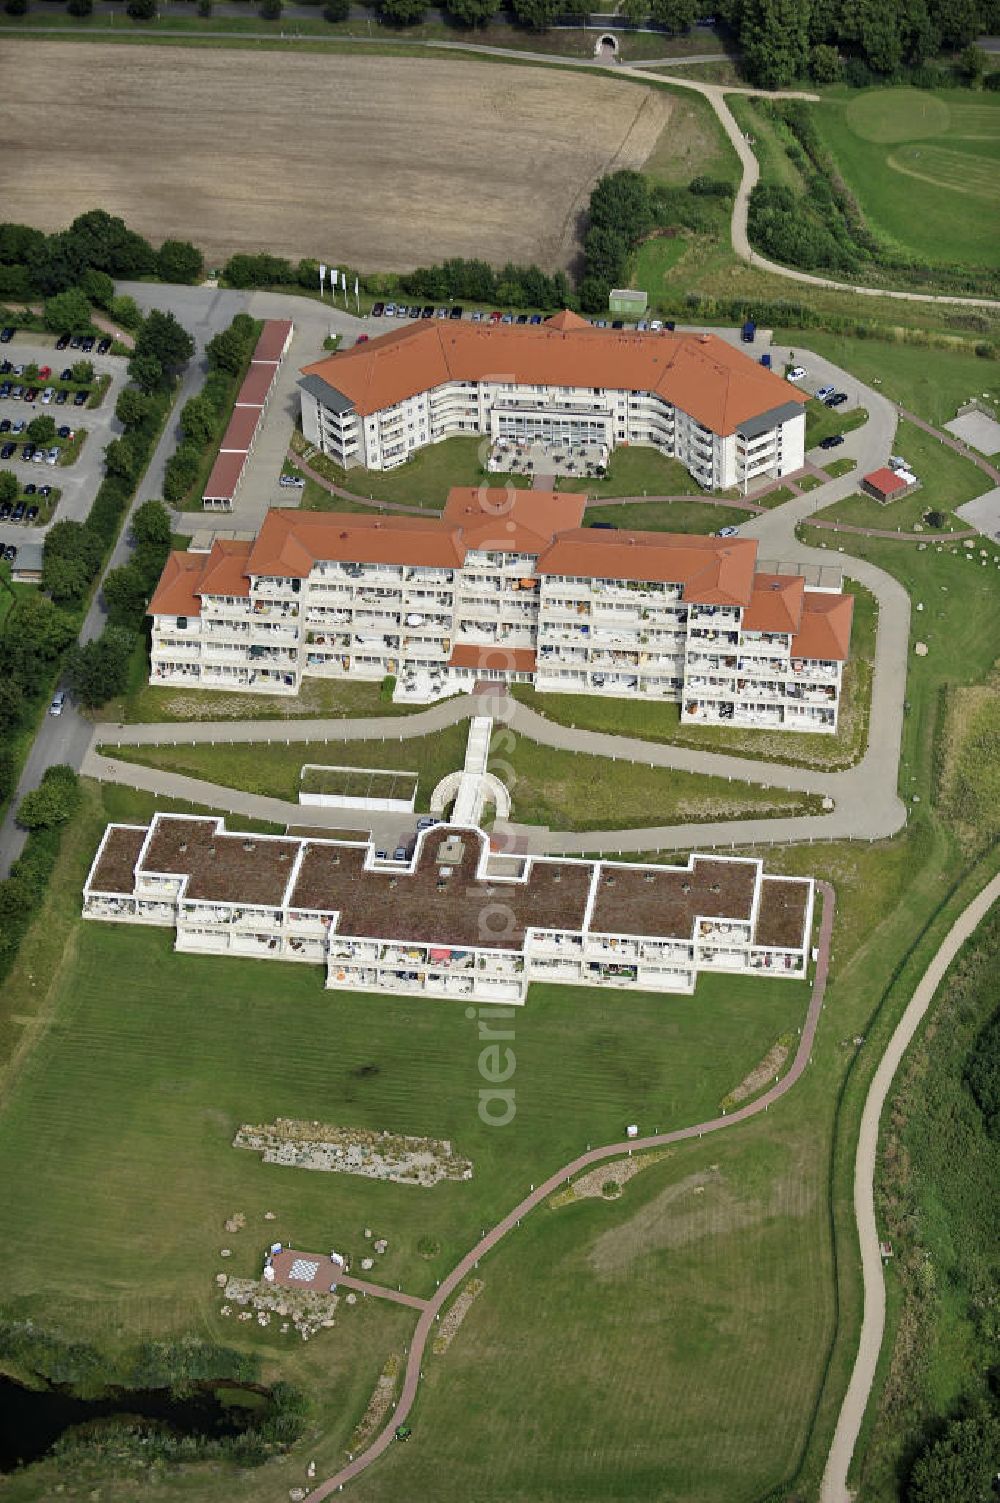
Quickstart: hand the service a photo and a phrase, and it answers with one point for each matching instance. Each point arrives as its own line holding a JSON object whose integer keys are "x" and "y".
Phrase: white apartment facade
{"x": 505, "y": 587}
{"x": 454, "y": 919}
{"x": 691, "y": 396}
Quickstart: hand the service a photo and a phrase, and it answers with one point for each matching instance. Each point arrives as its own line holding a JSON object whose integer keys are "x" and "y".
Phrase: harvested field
{"x": 381, "y": 163}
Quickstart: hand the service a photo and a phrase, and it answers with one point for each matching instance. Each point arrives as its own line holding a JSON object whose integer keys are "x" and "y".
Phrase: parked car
{"x": 477, "y": 317}
{"x": 10, "y": 553}
{"x": 7, "y": 334}
{"x": 29, "y": 490}
{"x": 87, "y": 344}
{"x": 427, "y": 822}
{"x": 440, "y": 313}
{"x": 45, "y": 490}
{"x": 103, "y": 346}
{"x": 7, "y": 451}
{"x": 75, "y": 342}
{"x": 797, "y": 373}
{"x": 31, "y": 515}
{"x": 19, "y": 511}
{"x": 838, "y": 399}
{"x": 58, "y": 702}
{"x": 79, "y": 399}
{"x": 28, "y": 452}
{"x": 825, "y": 391}
{"x": 47, "y": 395}
{"x": 61, "y": 398}
{"x": 522, "y": 318}
{"x": 62, "y": 341}
{"x": 833, "y": 442}
{"x": 727, "y": 532}
{"x": 19, "y": 427}
{"x": 428, "y": 311}
{"x": 535, "y": 318}
{"x": 5, "y": 389}
{"x": 496, "y": 316}
{"x": 456, "y": 312}
{"x": 53, "y": 455}
{"x": 64, "y": 432}
{"x": 31, "y": 395}
{"x": 45, "y": 372}
{"x": 4, "y": 511}
{"x": 361, "y": 339}
{"x": 399, "y": 854}
{"x": 389, "y": 310}
{"x": 5, "y": 426}
{"x": 378, "y": 309}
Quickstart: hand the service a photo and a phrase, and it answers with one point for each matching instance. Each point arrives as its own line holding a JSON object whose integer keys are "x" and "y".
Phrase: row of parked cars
{"x": 25, "y": 511}
{"x": 16, "y": 391}
{"x": 84, "y": 342}
{"x": 428, "y": 310}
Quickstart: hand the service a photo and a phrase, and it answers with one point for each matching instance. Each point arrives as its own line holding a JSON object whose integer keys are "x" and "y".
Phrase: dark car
{"x": 19, "y": 511}
{"x": 5, "y": 426}
{"x": 427, "y": 311}
{"x": 535, "y": 318}
{"x": 837, "y": 400}
{"x": 64, "y": 431}
{"x": 7, "y": 451}
{"x": 5, "y": 367}
{"x": 7, "y": 334}
{"x": 456, "y": 312}
{"x": 87, "y": 344}
{"x": 31, "y": 395}
{"x": 32, "y": 514}
{"x": 378, "y": 309}
{"x": 79, "y": 398}
{"x": 75, "y": 342}
{"x": 67, "y": 374}
{"x": 10, "y": 553}
{"x": 28, "y": 452}
{"x": 4, "y": 511}
{"x": 29, "y": 490}
{"x": 62, "y": 341}
{"x": 61, "y": 398}
{"x": 45, "y": 490}
{"x": 5, "y": 389}
{"x": 103, "y": 346}
{"x": 833, "y": 442}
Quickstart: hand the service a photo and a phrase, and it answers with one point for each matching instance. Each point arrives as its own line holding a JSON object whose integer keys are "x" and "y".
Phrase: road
{"x": 834, "y": 1486}
{"x": 556, "y": 1181}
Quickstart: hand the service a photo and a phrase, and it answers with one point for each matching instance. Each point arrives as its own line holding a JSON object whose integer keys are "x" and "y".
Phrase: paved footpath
{"x": 834, "y": 1486}
{"x": 556, "y": 1181}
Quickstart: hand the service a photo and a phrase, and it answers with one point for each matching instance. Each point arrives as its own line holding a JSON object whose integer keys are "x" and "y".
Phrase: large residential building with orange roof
{"x": 506, "y": 586}
{"x": 691, "y": 396}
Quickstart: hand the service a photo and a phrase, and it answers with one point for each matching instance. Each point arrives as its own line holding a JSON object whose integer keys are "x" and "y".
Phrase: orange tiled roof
{"x": 290, "y": 542}
{"x": 225, "y": 571}
{"x": 713, "y": 571}
{"x": 825, "y": 629}
{"x": 776, "y": 603}
{"x": 512, "y": 659}
{"x": 700, "y": 373}
{"x": 175, "y": 595}
{"x": 510, "y": 520}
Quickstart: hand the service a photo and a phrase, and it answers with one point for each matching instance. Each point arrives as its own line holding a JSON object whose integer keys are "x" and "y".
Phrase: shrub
{"x": 16, "y": 7}
{"x": 271, "y": 9}
{"x": 141, "y": 10}
{"x": 336, "y": 10}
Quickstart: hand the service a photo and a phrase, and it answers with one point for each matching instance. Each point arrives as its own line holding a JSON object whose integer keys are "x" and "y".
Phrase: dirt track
{"x": 381, "y": 163}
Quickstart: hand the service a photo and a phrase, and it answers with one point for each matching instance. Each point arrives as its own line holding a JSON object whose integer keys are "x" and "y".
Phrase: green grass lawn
{"x": 638, "y": 470}
{"x": 669, "y": 516}
{"x": 947, "y": 481}
{"x": 838, "y": 467}
{"x": 824, "y": 422}
{"x": 661, "y": 722}
{"x": 933, "y": 383}
{"x": 923, "y": 166}
{"x": 560, "y": 789}
{"x": 424, "y": 480}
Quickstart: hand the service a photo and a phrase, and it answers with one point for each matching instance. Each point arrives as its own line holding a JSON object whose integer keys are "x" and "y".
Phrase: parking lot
{"x": 77, "y": 482}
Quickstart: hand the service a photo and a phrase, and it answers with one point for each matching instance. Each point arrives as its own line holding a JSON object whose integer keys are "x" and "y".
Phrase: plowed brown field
{"x": 382, "y": 163}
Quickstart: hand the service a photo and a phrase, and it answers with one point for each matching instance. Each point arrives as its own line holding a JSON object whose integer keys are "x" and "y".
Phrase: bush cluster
{"x": 33, "y": 264}
{"x": 204, "y": 416}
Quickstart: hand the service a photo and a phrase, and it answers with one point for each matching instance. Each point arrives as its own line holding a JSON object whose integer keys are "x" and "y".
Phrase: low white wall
{"x": 344, "y": 801}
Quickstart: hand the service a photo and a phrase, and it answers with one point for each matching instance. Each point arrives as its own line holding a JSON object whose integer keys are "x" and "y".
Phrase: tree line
{"x": 33, "y": 264}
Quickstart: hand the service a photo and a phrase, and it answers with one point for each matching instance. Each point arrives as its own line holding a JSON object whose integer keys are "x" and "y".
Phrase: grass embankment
{"x": 824, "y": 422}
{"x": 947, "y": 480}
{"x": 661, "y": 722}
{"x": 931, "y": 382}
{"x": 668, "y": 516}
{"x": 936, "y": 1197}
{"x": 563, "y": 790}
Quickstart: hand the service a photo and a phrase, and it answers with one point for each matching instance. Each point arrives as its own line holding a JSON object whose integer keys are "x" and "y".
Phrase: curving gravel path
{"x": 555, "y": 1181}
{"x": 834, "y": 1487}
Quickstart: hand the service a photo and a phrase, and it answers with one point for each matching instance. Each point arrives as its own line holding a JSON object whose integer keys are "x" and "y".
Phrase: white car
{"x": 58, "y": 702}
{"x": 656, "y": 324}
{"x": 797, "y": 373}
{"x": 727, "y": 532}
{"x": 825, "y": 391}
{"x": 47, "y": 395}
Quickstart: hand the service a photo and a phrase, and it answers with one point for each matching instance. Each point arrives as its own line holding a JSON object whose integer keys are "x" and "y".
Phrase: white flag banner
{"x": 334, "y": 274}
{"x": 343, "y": 280}
{"x": 356, "y": 287}
{"x": 322, "y": 272}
